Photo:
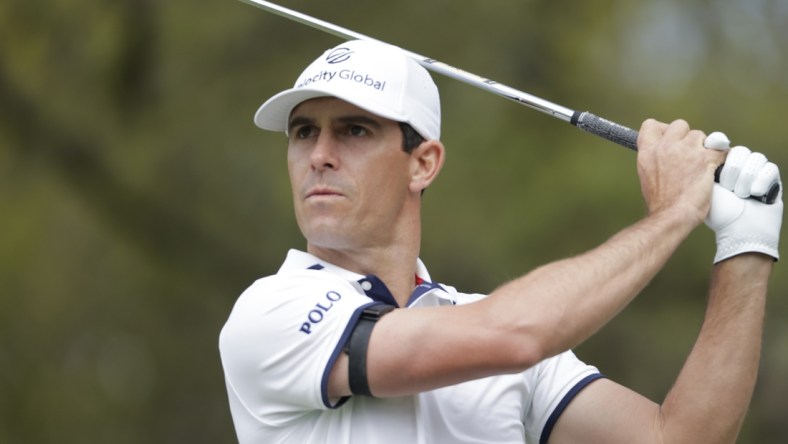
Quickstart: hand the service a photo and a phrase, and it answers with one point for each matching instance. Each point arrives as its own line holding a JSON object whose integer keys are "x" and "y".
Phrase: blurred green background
{"x": 138, "y": 200}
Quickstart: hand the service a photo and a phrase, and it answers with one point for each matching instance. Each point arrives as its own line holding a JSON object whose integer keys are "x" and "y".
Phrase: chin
{"x": 331, "y": 237}
{"x": 333, "y": 244}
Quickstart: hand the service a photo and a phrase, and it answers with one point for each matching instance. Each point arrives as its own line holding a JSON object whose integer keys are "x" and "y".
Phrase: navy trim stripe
{"x": 340, "y": 347}
{"x": 548, "y": 427}
{"x": 379, "y": 291}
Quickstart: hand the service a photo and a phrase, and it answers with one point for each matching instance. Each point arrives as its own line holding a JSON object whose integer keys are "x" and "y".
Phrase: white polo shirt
{"x": 286, "y": 330}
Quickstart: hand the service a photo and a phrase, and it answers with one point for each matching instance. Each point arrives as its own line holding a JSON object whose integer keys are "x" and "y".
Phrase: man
{"x": 352, "y": 341}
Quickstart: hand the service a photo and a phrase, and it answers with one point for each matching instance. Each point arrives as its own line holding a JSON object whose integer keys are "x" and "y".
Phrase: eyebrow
{"x": 359, "y": 119}
{"x": 299, "y": 121}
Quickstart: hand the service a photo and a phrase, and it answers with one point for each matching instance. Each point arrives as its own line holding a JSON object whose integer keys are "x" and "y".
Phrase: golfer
{"x": 352, "y": 341}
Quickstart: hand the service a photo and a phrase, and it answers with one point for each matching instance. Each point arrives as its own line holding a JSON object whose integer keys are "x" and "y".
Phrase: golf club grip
{"x": 628, "y": 137}
{"x": 591, "y": 123}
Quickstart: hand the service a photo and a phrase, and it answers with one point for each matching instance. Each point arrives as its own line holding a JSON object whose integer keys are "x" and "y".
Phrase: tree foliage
{"x": 138, "y": 199}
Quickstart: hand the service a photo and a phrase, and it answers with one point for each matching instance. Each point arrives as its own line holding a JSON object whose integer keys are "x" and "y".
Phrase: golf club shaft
{"x": 584, "y": 120}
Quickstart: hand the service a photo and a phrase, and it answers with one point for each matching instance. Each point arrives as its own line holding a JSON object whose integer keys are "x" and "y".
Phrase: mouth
{"x": 322, "y": 192}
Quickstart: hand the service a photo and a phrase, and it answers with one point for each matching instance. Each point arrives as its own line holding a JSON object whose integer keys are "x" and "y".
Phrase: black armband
{"x": 358, "y": 345}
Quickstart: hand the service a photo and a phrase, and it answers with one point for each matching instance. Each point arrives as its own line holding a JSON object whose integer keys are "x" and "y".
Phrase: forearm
{"x": 557, "y": 306}
{"x": 710, "y": 398}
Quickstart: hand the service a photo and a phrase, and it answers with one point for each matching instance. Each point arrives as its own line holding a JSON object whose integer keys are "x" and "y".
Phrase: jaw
{"x": 348, "y": 229}
{"x": 324, "y": 225}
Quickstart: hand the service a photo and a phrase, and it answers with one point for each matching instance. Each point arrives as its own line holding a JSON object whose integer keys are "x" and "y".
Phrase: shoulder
{"x": 292, "y": 287}
{"x": 292, "y": 300}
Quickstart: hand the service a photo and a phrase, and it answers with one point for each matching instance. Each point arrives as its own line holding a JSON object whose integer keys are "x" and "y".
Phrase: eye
{"x": 304, "y": 131}
{"x": 357, "y": 131}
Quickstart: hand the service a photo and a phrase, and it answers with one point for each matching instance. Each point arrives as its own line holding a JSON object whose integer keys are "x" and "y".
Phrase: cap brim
{"x": 274, "y": 114}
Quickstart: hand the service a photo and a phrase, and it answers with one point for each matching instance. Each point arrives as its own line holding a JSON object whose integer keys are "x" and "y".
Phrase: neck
{"x": 394, "y": 264}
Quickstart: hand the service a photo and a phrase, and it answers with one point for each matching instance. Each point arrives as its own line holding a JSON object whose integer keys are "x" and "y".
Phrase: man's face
{"x": 348, "y": 173}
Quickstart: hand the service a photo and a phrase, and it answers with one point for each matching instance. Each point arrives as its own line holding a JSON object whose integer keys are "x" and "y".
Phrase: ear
{"x": 426, "y": 162}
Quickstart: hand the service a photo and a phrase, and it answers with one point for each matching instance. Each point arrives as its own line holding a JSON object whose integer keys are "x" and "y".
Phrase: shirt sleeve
{"x": 281, "y": 340}
{"x": 554, "y": 382}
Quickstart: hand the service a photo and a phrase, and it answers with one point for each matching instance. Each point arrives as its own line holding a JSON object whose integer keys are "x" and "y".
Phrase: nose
{"x": 325, "y": 154}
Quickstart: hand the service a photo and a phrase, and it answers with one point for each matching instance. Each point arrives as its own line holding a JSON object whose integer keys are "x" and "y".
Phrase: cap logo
{"x": 338, "y": 55}
{"x": 326, "y": 75}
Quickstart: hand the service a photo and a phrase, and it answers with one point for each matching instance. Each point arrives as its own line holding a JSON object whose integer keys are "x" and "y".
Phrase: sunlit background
{"x": 137, "y": 199}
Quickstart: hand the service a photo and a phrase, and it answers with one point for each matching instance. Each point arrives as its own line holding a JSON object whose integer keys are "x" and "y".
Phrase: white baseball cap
{"x": 377, "y": 77}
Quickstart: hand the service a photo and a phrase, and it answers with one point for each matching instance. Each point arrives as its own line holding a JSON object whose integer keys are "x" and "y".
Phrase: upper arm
{"x": 420, "y": 349}
{"x": 608, "y": 413}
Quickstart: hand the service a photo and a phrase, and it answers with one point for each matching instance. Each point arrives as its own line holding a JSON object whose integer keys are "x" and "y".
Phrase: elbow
{"x": 517, "y": 343}
{"x": 679, "y": 427}
{"x": 521, "y": 351}
{"x": 527, "y": 356}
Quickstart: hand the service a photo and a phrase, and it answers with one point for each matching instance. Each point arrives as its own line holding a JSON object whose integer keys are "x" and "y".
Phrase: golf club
{"x": 584, "y": 120}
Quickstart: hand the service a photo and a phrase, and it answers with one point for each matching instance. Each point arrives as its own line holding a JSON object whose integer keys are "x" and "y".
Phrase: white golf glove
{"x": 741, "y": 224}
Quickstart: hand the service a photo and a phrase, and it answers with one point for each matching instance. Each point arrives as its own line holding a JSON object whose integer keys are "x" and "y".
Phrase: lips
{"x": 322, "y": 191}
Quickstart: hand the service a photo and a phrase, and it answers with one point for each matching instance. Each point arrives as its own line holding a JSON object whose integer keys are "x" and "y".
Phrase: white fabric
{"x": 374, "y": 76}
{"x": 276, "y": 372}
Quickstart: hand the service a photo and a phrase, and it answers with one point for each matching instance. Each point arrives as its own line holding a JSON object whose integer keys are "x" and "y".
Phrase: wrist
{"x": 746, "y": 269}
{"x": 678, "y": 218}
{"x": 749, "y": 263}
